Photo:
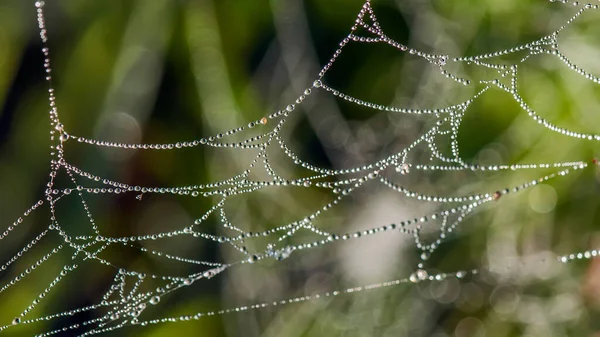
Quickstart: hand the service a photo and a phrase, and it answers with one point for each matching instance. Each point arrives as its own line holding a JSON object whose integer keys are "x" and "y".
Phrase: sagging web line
{"x": 123, "y": 307}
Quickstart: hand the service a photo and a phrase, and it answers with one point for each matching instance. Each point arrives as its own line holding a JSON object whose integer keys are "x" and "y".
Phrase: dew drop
{"x": 154, "y": 300}
{"x": 16, "y": 321}
{"x": 418, "y": 276}
{"x": 461, "y": 274}
{"x": 497, "y": 195}
{"x": 403, "y": 169}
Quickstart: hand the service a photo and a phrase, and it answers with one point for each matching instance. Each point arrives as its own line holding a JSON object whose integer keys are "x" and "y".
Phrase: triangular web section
{"x": 366, "y": 23}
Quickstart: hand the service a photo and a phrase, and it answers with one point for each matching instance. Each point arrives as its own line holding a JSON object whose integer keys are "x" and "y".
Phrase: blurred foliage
{"x": 161, "y": 71}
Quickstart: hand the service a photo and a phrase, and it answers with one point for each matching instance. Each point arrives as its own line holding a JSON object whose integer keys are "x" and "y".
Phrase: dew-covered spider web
{"x": 133, "y": 292}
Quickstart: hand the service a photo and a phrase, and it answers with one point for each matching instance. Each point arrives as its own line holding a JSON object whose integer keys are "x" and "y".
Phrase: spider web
{"x": 128, "y": 296}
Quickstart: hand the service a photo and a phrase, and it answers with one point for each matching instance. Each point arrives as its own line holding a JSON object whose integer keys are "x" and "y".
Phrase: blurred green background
{"x": 162, "y": 71}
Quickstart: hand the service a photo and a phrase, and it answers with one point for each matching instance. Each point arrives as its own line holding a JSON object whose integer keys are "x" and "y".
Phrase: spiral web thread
{"x": 120, "y": 307}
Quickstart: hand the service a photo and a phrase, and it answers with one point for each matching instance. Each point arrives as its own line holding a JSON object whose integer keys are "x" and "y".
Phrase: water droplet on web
{"x": 403, "y": 169}
{"x": 497, "y": 195}
{"x": 413, "y": 278}
{"x": 418, "y": 276}
{"x": 154, "y": 300}
{"x": 461, "y": 274}
{"x": 16, "y": 321}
